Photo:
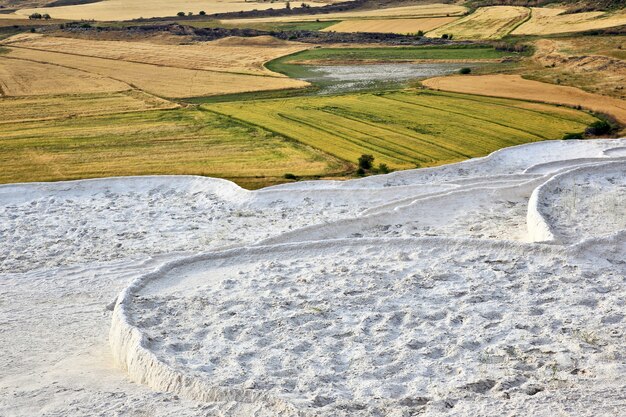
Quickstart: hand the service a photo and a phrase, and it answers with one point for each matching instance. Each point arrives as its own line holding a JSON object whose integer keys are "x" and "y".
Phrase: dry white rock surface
{"x": 494, "y": 286}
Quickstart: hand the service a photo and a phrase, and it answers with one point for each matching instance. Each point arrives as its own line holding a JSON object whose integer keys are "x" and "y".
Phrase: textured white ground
{"x": 490, "y": 287}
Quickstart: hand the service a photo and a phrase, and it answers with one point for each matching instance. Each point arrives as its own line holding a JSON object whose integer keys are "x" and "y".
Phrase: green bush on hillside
{"x": 598, "y": 128}
{"x": 366, "y": 161}
{"x": 573, "y": 136}
{"x": 289, "y": 176}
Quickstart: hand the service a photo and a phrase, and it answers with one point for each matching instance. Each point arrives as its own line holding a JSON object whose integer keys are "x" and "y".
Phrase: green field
{"x": 464, "y": 52}
{"x": 408, "y": 128}
{"x": 255, "y": 143}
{"x": 185, "y": 141}
{"x": 288, "y": 64}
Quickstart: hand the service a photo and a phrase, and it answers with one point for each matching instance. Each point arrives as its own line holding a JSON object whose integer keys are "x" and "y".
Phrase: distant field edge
{"x": 519, "y": 88}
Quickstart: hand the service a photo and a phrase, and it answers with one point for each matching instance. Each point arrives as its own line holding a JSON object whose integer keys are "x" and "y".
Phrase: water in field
{"x": 332, "y": 79}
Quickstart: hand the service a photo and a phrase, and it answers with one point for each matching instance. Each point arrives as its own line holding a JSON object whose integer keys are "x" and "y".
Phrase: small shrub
{"x": 202, "y": 13}
{"x": 35, "y": 16}
{"x": 600, "y": 127}
{"x": 588, "y": 337}
{"x": 180, "y": 14}
{"x": 32, "y": 30}
{"x": 190, "y": 14}
{"x": 573, "y": 136}
{"x": 360, "y": 172}
{"x": 45, "y": 16}
{"x": 420, "y": 33}
{"x": 383, "y": 169}
{"x": 289, "y": 176}
{"x": 465, "y": 70}
{"x": 366, "y": 161}
{"x": 444, "y": 36}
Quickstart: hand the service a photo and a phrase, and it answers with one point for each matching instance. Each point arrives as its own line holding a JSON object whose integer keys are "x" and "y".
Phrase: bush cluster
{"x": 510, "y": 47}
{"x": 599, "y": 128}
{"x": 366, "y": 165}
{"x": 37, "y": 16}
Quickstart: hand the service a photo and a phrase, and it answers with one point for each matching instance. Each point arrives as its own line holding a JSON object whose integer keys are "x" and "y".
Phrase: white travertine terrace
{"x": 493, "y": 286}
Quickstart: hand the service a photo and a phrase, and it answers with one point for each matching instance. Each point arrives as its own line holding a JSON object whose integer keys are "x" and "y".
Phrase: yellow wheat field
{"x": 401, "y": 26}
{"x": 548, "y": 21}
{"x": 134, "y": 9}
{"x": 161, "y": 80}
{"x": 485, "y": 23}
{"x": 20, "y": 109}
{"x": 404, "y": 128}
{"x": 514, "y": 86}
{"x": 425, "y": 10}
{"x": 11, "y": 16}
{"x": 241, "y": 55}
{"x": 26, "y": 78}
{"x": 184, "y": 141}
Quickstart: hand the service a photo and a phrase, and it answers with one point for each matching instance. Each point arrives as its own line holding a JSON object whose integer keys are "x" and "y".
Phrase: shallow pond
{"x": 332, "y": 79}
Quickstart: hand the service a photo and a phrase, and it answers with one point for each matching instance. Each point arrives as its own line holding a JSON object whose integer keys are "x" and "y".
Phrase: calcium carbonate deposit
{"x": 491, "y": 287}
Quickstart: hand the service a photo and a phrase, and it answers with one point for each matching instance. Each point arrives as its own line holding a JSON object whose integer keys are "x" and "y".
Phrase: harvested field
{"x": 583, "y": 46}
{"x": 239, "y": 55}
{"x": 10, "y": 16}
{"x": 485, "y": 23}
{"x": 161, "y": 80}
{"x": 595, "y": 64}
{"x": 134, "y": 9}
{"x": 514, "y": 86}
{"x": 401, "y": 26}
{"x": 16, "y": 109}
{"x": 544, "y": 21}
{"x": 609, "y": 46}
{"x": 310, "y": 25}
{"x": 156, "y": 142}
{"x": 426, "y": 10}
{"x": 25, "y": 78}
{"x": 405, "y": 129}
